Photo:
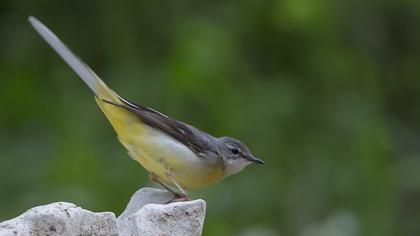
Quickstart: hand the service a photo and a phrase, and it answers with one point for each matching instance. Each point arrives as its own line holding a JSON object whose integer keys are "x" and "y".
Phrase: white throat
{"x": 234, "y": 166}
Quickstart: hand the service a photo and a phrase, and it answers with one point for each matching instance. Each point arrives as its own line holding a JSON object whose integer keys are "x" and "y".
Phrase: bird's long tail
{"x": 101, "y": 90}
{"x": 123, "y": 121}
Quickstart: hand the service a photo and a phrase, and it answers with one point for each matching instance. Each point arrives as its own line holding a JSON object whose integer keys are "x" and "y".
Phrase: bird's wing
{"x": 194, "y": 139}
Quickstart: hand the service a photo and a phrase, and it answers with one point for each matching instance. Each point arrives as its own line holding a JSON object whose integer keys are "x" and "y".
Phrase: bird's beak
{"x": 254, "y": 160}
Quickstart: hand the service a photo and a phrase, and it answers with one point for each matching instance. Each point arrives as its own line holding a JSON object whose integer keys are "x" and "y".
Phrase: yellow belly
{"x": 189, "y": 175}
{"x": 159, "y": 153}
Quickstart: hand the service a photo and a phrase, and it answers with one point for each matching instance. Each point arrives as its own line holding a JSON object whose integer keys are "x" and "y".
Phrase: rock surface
{"x": 146, "y": 214}
{"x": 143, "y": 218}
{"x": 60, "y": 218}
{"x": 145, "y": 196}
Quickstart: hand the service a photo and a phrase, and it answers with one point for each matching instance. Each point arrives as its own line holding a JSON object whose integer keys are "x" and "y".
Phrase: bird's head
{"x": 236, "y": 155}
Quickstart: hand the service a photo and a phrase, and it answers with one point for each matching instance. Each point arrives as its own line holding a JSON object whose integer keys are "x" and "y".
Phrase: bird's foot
{"x": 179, "y": 198}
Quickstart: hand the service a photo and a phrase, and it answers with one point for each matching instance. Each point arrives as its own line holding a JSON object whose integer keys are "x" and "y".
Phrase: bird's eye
{"x": 235, "y": 151}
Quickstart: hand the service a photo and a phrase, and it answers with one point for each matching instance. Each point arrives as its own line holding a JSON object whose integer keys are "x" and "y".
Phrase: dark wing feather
{"x": 196, "y": 140}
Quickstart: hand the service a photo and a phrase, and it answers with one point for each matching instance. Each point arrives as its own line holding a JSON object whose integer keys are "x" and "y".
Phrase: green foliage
{"x": 326, "y": 92}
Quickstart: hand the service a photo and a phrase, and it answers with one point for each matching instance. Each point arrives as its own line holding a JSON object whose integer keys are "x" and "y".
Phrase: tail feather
{"x": 100, "y": 89}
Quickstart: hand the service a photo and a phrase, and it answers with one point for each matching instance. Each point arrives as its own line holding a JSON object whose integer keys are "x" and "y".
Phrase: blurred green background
{"x": 326, "y": 92}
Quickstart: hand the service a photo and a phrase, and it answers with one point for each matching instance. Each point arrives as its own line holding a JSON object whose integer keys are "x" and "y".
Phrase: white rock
{"x": 146, "y": 214}
{"x": 143, "y": 218}
{"x": 60, "y": 218}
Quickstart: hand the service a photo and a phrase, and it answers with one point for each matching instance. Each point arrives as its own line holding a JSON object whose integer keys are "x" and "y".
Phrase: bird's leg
{"x": 183, "y": 195}
{"x": 154, "y": 178}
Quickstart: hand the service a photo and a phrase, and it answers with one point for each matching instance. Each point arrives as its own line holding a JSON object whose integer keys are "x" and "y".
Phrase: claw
{"x": 179, "y": 198}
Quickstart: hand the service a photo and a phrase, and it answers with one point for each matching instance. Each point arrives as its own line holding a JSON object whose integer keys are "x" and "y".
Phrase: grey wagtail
{"x": 175, "y": 154}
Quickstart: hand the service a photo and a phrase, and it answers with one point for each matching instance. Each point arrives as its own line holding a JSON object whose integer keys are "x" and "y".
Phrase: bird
{"x": 176, "y": 155}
